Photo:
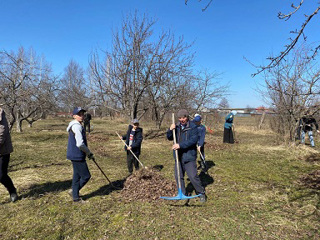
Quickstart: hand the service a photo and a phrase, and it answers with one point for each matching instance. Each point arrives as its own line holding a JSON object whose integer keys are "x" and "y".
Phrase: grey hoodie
{"x": 76, "y": 128}
{"x": 5, "y": 138}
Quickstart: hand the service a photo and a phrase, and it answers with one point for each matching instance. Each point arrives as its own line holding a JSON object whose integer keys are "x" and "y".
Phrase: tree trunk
{"x": 261, "y": 120}
{"x": 19, "y": 125}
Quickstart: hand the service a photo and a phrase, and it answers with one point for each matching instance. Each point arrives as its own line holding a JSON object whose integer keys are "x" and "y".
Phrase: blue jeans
{"x": 81, "y": 176}
{"x": 303, "y": 135}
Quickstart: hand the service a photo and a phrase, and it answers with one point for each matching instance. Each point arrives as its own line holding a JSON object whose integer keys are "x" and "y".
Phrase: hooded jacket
{"x": 5, "y": 138}
{"x": 229, "y": 120}
{"x": 187, "y": 140}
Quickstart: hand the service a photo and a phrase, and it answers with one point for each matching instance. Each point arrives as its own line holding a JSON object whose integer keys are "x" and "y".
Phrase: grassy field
{"x": 254, "y": 188}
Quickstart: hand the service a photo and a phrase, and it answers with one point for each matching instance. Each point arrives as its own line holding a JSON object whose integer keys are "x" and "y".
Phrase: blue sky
{"x": 226, "y": 32}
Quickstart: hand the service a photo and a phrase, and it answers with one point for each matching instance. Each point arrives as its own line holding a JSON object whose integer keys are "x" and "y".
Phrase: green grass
{"x": 253, "y": 189}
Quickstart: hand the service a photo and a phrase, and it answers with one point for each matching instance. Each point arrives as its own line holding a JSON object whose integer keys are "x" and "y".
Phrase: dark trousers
{"x": 87, "y": 125}
{"x": 81, "y": 176}
{"x": 191, "y": 169}
{"x": 132, "y": 161}
{"x": 4, "y": 178}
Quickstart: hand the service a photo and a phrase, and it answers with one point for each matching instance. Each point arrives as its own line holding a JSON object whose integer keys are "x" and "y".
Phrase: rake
{"x": 180, "y": 195}
{"x": 202, "y": 158}
{"x": 104, "y": 174}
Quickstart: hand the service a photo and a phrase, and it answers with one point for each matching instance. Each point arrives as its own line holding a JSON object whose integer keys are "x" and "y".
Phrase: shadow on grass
{"x": 158, "y": 167}
{"x": 186, "y": 203}
{"x": 106, "y": 189}
{"x": 14, "y": 167}
{"x": 38, "y": 190}
{"x": 205, "y": 178}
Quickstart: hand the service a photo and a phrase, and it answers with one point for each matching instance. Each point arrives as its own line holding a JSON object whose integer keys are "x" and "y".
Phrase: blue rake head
{"x": 180, "y": 196}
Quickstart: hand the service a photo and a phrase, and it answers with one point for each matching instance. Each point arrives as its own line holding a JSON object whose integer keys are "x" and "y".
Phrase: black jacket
{"x": 137, "y": 140}
{"x": 306, "y": 123}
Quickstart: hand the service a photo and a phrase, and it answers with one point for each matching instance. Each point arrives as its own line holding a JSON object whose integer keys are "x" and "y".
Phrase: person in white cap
{"x": 133, "y": 140}
{"x": 77, "y": 152}
{"x": 227, "y": 133}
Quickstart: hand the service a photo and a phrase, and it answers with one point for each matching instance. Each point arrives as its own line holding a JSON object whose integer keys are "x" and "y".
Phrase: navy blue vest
{"x": 73, "y": 152}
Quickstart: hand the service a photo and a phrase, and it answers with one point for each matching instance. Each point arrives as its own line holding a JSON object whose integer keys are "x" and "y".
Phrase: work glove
{"x": 90, "y": 156}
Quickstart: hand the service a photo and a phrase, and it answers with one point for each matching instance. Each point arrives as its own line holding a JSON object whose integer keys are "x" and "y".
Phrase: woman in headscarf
{"x": 228, "y": 133}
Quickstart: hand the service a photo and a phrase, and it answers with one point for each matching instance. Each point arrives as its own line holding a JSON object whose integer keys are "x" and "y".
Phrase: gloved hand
{"x": 90, "y": 156}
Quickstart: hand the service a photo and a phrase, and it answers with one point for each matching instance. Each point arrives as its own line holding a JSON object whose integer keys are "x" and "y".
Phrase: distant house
{"x": 204, "y": 109}
{"x": 63, "y": 114}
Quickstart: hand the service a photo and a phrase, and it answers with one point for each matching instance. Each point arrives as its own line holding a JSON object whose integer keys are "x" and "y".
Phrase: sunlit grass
{"x": 253, "y": 190}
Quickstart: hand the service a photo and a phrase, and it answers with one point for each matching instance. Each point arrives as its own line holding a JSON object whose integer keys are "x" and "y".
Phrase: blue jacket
{"x": 229, "y": 120}
{"x": 201, "y": 134}
{"x": 73, "y": 152}
{"x": 137, "y": 140}
{"x": 187, "y": 139}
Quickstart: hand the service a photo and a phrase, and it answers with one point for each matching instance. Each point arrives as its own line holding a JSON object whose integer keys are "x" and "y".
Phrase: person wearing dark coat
{"x": 187, "y": 137}
{"x": 201, "y": 142}
{"x": 5, "y": 150}
{"x": 306, "y": 123}
{"x": 228, "y": 133}
{"x": 86, "y": 122}
{"x": 133, "y": 140}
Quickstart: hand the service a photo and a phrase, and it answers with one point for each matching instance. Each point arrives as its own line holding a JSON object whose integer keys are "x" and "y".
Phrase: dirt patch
{"x": 217, "y": 147}
{"x": 100, "y": 151}
{"x": 147, "y": 185}
{"x": 97, "y": 138}
{"x": 155, "y": 134}
{"x": 315, "y": 157}
{"x": 311, "y": 180}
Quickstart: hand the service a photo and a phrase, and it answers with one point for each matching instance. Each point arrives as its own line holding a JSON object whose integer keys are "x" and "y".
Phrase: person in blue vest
{"x": 200, "y": 145}
{"x": 187, "y": 138}
{"x": 133, "y": 140}
{"x": 228, "y": 133}
{"x": 77, "y": 152}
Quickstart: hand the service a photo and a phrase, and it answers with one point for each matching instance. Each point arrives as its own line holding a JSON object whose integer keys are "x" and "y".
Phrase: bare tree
{"x": 141, "y": 69}
{"x": 74, "y": 90}
{"x": 291, "y": 88}
{"x": 125, "y": 74}
{"x": 299, "y": 34}
{"x": 28, "y": 86}
{"x": 224, "y": 103}
{"x": 207, "y": 89}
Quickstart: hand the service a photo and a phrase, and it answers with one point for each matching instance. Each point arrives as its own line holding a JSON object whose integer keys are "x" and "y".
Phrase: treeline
{"x": 144, "y": 74}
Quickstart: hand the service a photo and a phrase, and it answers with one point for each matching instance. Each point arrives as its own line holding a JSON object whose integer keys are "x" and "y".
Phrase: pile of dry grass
{"x": 147, "y": 185}
{"x": 311, "y": 180}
